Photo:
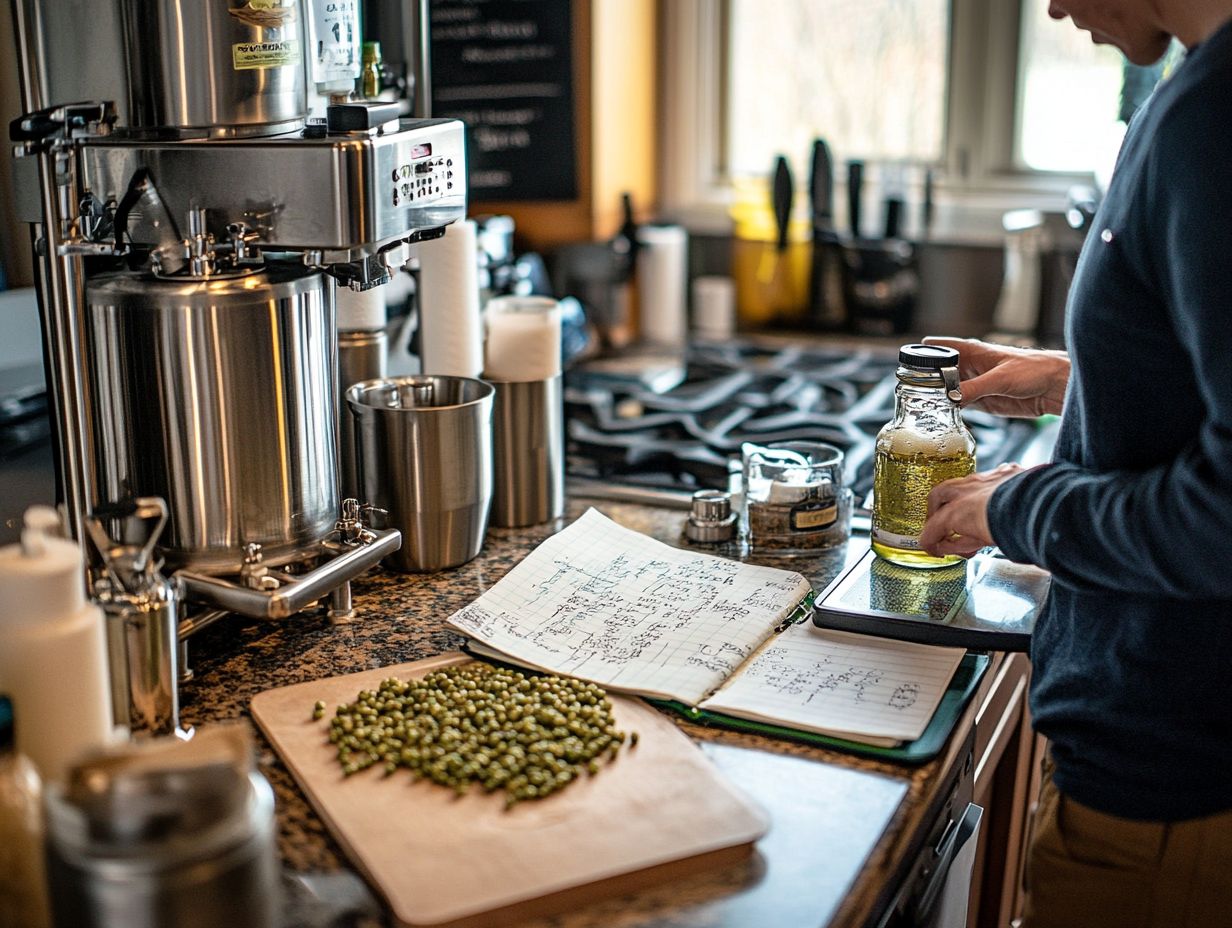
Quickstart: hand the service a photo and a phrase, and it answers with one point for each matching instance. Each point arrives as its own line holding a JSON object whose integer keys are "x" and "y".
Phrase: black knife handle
{"x": 855, "y": 194}
{"x": 821, "y": 185}
{"x": 781, "y": 199}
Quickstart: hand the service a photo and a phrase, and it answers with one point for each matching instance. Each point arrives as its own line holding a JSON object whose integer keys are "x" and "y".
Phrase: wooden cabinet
{"x": 1007, "y": 755}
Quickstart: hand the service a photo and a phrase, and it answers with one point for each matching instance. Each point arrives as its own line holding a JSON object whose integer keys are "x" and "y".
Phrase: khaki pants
{"x": 1086, "y": 869}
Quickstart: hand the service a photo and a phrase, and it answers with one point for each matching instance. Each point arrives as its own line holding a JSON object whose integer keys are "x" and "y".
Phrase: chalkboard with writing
{"x": 504, "y": 67}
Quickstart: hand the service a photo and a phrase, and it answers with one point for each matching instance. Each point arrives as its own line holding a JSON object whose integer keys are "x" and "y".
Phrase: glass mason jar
{"x": 925, "y": 444}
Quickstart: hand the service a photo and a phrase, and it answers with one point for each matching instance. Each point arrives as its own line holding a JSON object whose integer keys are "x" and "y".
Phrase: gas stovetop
{"x": 679, "y": 424}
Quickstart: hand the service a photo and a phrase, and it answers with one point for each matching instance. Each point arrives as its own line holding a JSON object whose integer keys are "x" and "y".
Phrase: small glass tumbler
{"x": 794, "y": 499}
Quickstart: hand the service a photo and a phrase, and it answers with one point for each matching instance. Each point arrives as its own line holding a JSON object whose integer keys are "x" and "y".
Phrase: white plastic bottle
{"x": 53, "y": 649}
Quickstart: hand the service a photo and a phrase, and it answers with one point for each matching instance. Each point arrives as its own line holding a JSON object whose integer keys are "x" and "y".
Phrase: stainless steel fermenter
{"x": 217, "y": 69}
{"x": 217, "y": 394}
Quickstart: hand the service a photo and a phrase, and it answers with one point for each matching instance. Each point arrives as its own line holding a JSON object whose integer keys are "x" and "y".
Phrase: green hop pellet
{"x": 528, "y": 735}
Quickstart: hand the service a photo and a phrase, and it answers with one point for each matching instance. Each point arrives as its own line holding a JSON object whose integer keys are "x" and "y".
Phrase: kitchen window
{"x": 1010, "y": 107}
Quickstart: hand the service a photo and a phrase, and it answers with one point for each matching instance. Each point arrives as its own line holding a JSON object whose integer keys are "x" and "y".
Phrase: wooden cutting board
{"x": 658, "y": 811}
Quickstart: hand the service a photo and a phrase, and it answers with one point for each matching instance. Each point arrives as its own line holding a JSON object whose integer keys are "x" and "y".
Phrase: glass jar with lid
{"x": 924, "y": 444}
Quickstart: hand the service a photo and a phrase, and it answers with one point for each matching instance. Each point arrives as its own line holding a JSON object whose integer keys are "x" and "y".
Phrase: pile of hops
{"x": 501, "y": 729}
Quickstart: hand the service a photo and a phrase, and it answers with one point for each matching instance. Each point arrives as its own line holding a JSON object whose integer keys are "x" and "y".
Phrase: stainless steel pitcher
{"x": 425, "y": 456}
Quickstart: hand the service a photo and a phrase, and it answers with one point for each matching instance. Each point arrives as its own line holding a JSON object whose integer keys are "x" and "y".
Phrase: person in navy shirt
{"x": 1133, "y": 516}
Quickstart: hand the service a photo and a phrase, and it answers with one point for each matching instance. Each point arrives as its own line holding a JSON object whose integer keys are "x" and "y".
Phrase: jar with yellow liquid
{"x": 925, "y": 443}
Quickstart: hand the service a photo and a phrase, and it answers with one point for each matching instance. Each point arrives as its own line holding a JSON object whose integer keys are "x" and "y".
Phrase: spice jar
{"x": 794, "y": 498}
{"x": 924, "y": 444}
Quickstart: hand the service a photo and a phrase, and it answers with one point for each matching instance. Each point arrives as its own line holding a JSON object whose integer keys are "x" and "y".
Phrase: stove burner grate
{"x": 688, "y": 436}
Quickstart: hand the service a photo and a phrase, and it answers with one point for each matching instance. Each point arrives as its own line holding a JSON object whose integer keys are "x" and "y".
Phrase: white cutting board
{"x": 659, "y": 810}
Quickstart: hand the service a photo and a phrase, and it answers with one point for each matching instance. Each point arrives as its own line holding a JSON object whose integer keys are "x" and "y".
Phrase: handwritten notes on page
{"x": 610, "y": 605}
{"x": 837, "y": 683}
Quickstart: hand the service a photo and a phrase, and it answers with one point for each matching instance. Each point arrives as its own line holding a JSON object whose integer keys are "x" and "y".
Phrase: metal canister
{"x": 143, "y": 609}
{"x": 204, "y": 68}
{"x": 218, "y": 395}
{"x": 174, "y": 835}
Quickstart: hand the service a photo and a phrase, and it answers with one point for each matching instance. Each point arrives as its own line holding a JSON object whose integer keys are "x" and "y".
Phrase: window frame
{"x": 979, "y": 170}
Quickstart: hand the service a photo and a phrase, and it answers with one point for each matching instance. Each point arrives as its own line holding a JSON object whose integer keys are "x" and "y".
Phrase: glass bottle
{"x": 925, "y": 443}
{"x": 23, "y": 882}
{"x": 370, "y": 76}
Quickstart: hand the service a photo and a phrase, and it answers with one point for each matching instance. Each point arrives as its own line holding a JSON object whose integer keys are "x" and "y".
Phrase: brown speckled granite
{"x": 401, "y": 618}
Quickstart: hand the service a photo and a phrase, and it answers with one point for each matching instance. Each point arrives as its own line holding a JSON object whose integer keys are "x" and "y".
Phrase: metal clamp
{"x": 949, "y": 376}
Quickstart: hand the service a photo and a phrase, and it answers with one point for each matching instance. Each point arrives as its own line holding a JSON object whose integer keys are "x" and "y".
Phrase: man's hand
{"x": 1019, "y": 382}
{"x": 958, "y": 513}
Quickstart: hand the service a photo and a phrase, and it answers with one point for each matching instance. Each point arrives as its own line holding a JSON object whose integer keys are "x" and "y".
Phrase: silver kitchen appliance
{"x": 190, "y": 229}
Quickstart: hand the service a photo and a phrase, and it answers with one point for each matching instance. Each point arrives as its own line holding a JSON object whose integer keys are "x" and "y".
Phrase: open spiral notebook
{"x": 716, "y": 638}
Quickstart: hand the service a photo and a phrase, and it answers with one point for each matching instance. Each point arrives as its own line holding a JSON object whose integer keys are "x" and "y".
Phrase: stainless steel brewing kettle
{"x": 218, "y": 395}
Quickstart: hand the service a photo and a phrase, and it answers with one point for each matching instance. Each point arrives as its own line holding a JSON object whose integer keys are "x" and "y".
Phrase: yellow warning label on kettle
{"x": 247, "y": 56}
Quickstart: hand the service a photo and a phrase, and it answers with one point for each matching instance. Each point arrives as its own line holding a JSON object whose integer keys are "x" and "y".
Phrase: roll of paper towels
{"x": 662, "y": 274}
{"x": 523, "y": 339}
{"x": 451, "y": 333}
{"x": 361, "y": 310}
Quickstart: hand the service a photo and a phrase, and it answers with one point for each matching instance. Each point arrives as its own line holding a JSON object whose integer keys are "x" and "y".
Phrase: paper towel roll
{"x": 361, "y": 311}
{"x": 451, "y": 334}
{"x": 714, "y": 307}
{"x": 662, "y": 272}
{"x": 523, "y": 339}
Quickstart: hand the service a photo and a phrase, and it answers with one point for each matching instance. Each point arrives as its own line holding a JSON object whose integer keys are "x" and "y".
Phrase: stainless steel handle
{"x": 296, "y": 594}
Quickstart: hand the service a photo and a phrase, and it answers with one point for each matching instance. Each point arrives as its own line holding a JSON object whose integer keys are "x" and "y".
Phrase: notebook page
{"x": 840, "y": 683}
{"x": 615, "y": 607}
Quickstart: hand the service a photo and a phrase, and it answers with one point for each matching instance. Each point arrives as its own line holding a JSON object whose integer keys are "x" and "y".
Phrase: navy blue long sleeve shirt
{"x": 1133, "y": 517}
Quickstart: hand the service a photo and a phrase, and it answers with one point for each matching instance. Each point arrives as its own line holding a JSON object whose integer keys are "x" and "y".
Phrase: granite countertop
{"x": 828, "y": 810}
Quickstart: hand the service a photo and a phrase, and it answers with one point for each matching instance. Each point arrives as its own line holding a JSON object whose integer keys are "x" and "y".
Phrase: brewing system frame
{"x": 346, "y": 201}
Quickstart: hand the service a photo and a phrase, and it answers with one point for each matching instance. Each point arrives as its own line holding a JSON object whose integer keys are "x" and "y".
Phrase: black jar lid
{"x": 927, "y": 357}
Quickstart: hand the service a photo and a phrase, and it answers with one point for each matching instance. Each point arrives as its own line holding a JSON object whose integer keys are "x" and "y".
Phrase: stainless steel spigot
{"x": 354, "y": 531}
{"x": 199, "y": 246}
{"x": 142, "y": 608}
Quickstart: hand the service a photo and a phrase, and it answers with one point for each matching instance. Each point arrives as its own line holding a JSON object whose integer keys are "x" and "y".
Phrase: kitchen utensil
{"x": 855, "y": 195}
{"x": 827, "y": 305}
{"x": 528, "y": 452}
{"x": 781, "y": 194}
{"x": 658, "y": 811}
{"x": 893, "y": 208}
{"x": 175, "y": 835}
{"x": 893, "y": 195}
{"x": 425, "y": 457}
{"x": 217, "y": 395}
{"x": 821, "y": 186}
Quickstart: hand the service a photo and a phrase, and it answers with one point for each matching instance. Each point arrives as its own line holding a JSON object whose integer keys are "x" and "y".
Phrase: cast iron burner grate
{"x": 683, "y": 431}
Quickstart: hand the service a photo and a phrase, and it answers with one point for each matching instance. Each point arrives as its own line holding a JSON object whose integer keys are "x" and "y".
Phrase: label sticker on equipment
{"x": 248, "y": 56}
